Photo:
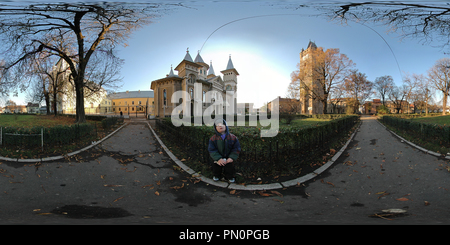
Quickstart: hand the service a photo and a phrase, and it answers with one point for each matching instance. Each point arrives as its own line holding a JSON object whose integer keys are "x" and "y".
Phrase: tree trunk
{"x": 54, "y": 104}
{"x": 444, "y": 103}
{"x": 80, "y": 114}
{"x": 47, "y": 102}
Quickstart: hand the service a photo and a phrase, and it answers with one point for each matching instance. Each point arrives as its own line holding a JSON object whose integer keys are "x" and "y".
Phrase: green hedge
{"x": 434, "y": 133}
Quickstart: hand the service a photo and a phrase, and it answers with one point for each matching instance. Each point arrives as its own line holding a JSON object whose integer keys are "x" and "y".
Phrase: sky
{"x": 264, "y": 40}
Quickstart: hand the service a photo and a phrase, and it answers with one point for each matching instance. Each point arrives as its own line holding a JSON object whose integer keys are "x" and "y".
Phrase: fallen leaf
{"x": 402, "y": 199}
{"x": 427, "y": 203}
{"x": 330, "y": 183}
{"x": 177, "y": 187}
{"x": 264, "y": 194}
{"x": 277, "y": 193}
{"x": 112, "y": 185}
{"x": 117, "y": 199}
{"x": 278, "y": 200}
{"x": 158, "y": 182}
{"x": 232, "y": 192}
{"x": 384, "y": 193}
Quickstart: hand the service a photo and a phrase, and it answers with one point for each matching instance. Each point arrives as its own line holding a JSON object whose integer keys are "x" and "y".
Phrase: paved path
{"x": 128, "y": 179}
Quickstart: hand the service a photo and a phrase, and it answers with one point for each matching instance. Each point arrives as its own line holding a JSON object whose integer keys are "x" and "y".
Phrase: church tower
{"x": 310, "y": 88}
{"x": 230, "y": 76}
{"x": 230, "y": 82}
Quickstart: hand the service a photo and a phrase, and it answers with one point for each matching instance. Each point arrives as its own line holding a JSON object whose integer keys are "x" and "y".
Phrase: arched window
{"x": 228, "y": 87}
{"x": 191, "y": 93}
{"x": 204, "y": 97}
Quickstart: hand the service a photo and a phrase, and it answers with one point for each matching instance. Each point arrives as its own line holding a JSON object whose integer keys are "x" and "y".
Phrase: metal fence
{"x": 130, "y": 110}
{"x": 57, "y": 136}
{"x": 288, "y": 151}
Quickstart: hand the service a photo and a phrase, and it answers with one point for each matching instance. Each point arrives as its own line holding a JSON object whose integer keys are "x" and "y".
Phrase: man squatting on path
{"x": 224, "y": 149}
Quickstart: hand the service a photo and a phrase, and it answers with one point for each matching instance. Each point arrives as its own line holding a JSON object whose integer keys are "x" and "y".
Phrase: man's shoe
{"x": 232, "y": 180}
{"x": 215, "y": 178}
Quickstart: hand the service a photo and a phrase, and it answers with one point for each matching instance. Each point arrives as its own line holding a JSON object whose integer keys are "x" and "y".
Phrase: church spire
{"x": 171, "y": 74}
{"x": 230, "y": 64}
{"x": 188, "y": 56}
{"x": 198, "y": 59}
{"x": 211, "y": 69}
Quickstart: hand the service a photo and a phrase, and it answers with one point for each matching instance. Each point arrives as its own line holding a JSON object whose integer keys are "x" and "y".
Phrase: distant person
{"x": 224, "y": 149}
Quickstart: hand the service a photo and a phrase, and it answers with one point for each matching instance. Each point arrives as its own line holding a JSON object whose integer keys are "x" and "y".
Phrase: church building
{"x": 196, "y": 78}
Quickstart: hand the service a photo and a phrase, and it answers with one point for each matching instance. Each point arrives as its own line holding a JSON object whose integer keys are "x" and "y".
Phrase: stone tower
{"x": 230, "y": 81}
{"x": 308, "y": 103}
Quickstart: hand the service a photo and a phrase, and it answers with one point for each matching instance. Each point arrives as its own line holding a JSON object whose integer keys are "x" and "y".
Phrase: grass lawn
{"x": 304, "y": 122}
{"x": 300, "y": 122}
{"x": 440, "y": 120}
{"x": 29, "y": 121}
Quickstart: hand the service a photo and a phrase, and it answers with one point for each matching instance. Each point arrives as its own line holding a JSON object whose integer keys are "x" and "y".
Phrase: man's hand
{"x": 221, "y": 162}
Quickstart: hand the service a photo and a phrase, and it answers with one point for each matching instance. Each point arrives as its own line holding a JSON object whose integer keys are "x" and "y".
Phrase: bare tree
{"x": 293, "y": 90}
{"x": 439, "y": 76}
{"x": 358, "y": 87}
{"x": 397, "y": 97}
{"x": 424, "y": 92}
{"x": 87, "y": 27}
{"x": 336, "y": 99}
{"x": 427, "y": 21}
{"x": 383, "y": 85}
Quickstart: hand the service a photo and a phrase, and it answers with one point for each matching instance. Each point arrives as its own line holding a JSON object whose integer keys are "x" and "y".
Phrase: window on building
{"x": 192, "y": 79}
{"x": 164, "y": 97}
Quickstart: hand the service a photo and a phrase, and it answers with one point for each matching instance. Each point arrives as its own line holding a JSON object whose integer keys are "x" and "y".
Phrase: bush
{"x": 383, "y": 110}
{"x": 433, "y": 133}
